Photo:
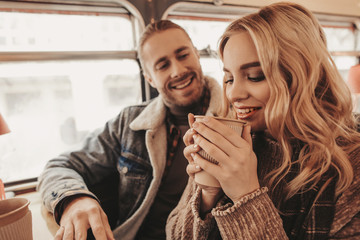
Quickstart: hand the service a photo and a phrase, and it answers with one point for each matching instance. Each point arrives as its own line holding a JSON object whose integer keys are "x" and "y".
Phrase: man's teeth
{"x": 183, "y": 85}
{"x": 245, "y": 110}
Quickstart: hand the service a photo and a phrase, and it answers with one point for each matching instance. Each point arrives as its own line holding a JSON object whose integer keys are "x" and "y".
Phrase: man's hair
{"x": 150, "y": 30}
{"x": 309, "y": 101}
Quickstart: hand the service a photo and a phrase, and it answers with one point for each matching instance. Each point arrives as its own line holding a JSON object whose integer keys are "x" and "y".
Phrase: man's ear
{"x": 149, "y": 80}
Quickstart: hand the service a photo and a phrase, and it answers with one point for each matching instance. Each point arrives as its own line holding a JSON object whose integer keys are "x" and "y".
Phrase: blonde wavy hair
{"x": 309, "y": 101}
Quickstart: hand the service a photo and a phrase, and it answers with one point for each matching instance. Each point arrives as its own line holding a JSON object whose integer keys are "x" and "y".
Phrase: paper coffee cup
{"x": 204, "y": 178}
{"x": 15, "y": 219}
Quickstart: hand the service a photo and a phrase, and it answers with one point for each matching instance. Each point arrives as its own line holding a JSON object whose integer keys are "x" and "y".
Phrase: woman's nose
{"x": 237, "y": 91}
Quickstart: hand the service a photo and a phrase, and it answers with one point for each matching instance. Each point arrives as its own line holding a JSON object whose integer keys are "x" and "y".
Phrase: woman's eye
{"x": 228, "y": 80}
{"x": 257, "y": 78}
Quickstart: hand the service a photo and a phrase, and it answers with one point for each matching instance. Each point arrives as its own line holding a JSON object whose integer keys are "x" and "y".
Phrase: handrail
{"x": 21, "y": 186}
{"x": 66, "y": 55}
{"x": 79, "y": 55}
{"x": 20, "y": 182}
{"x": 345, "y": 53}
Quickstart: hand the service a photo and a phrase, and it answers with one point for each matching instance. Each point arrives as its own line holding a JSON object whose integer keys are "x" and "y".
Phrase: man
{"x": 143, "y": 145}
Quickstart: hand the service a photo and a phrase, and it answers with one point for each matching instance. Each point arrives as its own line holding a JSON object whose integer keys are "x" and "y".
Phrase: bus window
{"x": 64, "y": 72}
{"x": 206, "y": 23}
{"x": 342, "y": 40}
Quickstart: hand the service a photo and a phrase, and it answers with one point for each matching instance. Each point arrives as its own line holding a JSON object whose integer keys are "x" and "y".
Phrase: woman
{"x": 295, "y": 172}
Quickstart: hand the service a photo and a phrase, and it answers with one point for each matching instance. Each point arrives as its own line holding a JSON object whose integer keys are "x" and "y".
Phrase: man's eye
{"x": 162, "y": 66}
{"x": 183, "y": 56}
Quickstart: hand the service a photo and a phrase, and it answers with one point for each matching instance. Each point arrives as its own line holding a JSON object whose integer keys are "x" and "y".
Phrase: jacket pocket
{"x": 132, "y": 166}
{"x": 135, "y": 175}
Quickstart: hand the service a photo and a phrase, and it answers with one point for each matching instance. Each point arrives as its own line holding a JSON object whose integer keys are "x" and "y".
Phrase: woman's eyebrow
{"x": 245, "y": 66}
{"x": 249, "y": 65}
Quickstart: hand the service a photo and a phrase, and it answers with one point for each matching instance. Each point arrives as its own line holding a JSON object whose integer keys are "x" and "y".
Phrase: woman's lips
{"x": 245, "y": 113}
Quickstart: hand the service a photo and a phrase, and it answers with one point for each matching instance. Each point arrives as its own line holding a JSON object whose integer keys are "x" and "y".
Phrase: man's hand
{"x": 81, "y": 214}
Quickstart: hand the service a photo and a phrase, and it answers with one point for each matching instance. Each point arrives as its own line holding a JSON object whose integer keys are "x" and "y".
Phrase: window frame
{"x": 68, "y": 8}
{"x": 189, "y": 9}
{"x": 119, "y": 8}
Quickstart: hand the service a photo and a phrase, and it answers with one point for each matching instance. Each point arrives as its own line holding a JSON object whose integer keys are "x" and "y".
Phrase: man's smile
{"x": 182, "y": 84}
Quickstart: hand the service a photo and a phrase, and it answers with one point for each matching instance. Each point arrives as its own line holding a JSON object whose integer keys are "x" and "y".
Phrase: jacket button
{"x": 125, "y": 170}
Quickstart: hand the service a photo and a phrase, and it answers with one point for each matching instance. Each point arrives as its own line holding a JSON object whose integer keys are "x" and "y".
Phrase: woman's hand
{"x": 237, "y": 168}
{"x": 188, "y": 137}
{"x": 191, "y": 148}
{"x": 209, "y": 195}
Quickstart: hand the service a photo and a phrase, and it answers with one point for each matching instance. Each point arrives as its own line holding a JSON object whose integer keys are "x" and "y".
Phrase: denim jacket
{"x": 132, "y": 145}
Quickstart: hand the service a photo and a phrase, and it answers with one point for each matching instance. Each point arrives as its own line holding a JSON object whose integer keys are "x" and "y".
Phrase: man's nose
{"x": 177, "y": 69}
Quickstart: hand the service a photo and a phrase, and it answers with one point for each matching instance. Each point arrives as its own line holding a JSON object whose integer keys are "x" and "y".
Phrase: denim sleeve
{"x": 70, "y": 173}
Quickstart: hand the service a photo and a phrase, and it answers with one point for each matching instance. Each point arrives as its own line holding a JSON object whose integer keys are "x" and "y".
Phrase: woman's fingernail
{"x": 195, "y": 136}
{"x": 195, "y": 145}
{"x": 197, "y": 167}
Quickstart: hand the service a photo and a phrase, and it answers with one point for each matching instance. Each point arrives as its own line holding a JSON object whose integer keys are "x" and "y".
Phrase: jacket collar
{"x": 152, "y": 117}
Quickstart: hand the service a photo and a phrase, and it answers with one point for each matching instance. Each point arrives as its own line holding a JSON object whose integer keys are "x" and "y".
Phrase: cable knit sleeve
{"x": 184, "y": 221}
{"x": 252, "y": 217}
{"x": 346, "y": 224}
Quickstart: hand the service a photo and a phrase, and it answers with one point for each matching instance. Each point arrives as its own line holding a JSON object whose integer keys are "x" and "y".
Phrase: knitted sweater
{"x": 255, "y": 215}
